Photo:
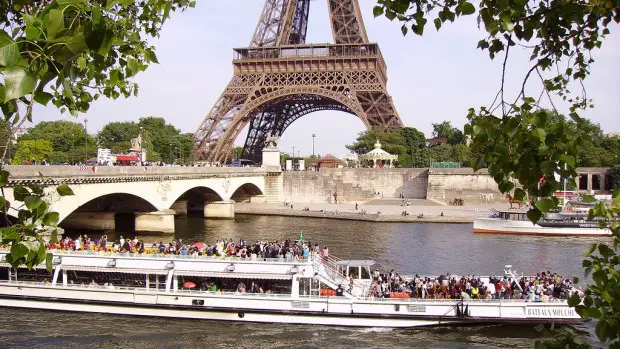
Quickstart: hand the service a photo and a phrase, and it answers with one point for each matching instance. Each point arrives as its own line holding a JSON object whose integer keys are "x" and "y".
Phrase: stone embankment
{"x": 388, "y": 210}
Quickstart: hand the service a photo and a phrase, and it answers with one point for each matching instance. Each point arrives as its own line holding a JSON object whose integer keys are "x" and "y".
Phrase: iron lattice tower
{"x": 280, "y": 78}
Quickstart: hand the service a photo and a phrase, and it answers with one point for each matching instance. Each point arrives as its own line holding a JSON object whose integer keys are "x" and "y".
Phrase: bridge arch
{"x": 194, "y": 199}
{"x": 87, "y": 194}
{"x": 111, "y": 203}
{"x": 246, "y": 192}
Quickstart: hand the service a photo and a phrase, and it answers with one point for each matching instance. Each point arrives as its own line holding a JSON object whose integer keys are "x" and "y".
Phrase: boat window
{"x": 354, "y": 272}
{"x": 365, "y": 273}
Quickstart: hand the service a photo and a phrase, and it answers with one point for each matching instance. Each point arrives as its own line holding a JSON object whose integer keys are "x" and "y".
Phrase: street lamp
{"x": 180, "y": 151}
{"x": 86, "y": 138}
{"x": 140, "y": 140}
{"x": 313, "y": 137}
{"x": 170, "y": 154}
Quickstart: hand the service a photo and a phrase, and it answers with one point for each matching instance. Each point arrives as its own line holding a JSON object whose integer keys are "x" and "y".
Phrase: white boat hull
{"x": 331, "y": 311}
{"x": 502, "y": 226}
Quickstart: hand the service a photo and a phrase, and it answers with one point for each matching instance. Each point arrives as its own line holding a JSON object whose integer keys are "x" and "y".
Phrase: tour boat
{"x": 158, "y": 286}
{"x": 572, "y": 220}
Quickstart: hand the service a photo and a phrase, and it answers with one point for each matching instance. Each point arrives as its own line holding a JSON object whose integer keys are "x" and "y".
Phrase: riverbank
{"x": 420, "y": 211}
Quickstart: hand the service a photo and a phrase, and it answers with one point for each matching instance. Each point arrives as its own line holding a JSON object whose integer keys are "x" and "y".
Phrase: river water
{"x": 407, "y": 247}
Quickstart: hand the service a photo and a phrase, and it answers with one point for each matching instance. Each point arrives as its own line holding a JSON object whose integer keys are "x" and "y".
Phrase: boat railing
{"x": 272, "y": 295}
{"x": 330, "y": 268}
{"x": 177, "y": 257}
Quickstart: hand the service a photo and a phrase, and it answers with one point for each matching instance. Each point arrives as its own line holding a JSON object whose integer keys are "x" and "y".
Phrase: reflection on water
{"x": 409, "y": 248}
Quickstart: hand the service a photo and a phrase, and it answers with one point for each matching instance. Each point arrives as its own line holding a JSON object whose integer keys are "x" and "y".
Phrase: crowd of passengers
{"x": 287, "y": 249}
{"x": 543, "y": 287}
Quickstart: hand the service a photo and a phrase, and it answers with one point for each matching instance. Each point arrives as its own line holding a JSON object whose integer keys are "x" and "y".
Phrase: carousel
{"x": 378, "y": 158}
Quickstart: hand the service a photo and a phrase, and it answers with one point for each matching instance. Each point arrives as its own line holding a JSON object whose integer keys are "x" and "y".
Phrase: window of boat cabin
{"x": 360, "y": 273}
{"x": 365, "y": 273}
{"x": 354, "y": 272}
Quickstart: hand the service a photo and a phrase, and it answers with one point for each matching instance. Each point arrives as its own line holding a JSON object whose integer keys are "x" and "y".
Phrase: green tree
{"x": 452, "y": 134}
{"x": 6, "y": 140}
{"x": 117, "y": 135}
{"x": 68, "y": 139}
{"x": 517, "y": 139}
{"x": 236, "y": 153}
{"x": 415, "y": 143}
{"x": 32, "y": 150}
{"x": 68, "y": 53}
{"x": 615, "y": 177}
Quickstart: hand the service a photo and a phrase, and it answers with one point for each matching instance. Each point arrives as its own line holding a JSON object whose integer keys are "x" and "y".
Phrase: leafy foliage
{"x": 162, "y": 141}
{"x": 519, "y": 141}
{"x": 69, "y": 141}
{"x": 452, "y": 134}
{"x": 410, "y": 145}
{"x": 68, "y": 53}
{"x": 34, "y": 220}
{"x": 615, "y": 177}
{"x": 32, "y": 150}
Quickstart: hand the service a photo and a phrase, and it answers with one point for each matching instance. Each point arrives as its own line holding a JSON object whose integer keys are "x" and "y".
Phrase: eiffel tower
{"x": 280, "y": 78}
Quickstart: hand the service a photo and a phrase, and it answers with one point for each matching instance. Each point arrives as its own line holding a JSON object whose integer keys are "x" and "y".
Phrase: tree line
{"x": 66, "y": 142}
{"x": 449, "y": 144}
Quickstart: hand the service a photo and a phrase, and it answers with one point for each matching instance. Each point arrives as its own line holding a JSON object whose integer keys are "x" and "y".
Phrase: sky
{"x": 432, "y": 78}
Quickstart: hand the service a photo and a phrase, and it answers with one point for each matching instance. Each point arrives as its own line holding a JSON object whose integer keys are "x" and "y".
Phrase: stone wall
{"x": 444, "y": 185}
{"x": 354, "y": 185}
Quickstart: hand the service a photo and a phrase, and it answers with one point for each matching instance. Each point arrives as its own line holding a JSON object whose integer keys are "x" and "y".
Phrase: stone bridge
{"x": 145, "y": 198}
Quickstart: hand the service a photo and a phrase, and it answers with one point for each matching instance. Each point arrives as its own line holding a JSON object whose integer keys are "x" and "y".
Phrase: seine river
{"x": 409, "y": 248}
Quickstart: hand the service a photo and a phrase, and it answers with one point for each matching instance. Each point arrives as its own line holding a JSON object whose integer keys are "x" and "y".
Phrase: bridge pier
{"x": 220, "y": 209}
{"x": 180, "y": 208}
{"x": 159, "y": 221}
{"x": 90, "y": 221}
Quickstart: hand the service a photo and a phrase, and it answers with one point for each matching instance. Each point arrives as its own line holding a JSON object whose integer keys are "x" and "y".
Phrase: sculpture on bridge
{"x": 272, "y": 142}
{"x": 136, "y": 144}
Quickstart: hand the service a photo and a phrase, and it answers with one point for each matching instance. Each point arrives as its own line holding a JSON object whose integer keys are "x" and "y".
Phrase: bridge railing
{"x": 105, "y": 171}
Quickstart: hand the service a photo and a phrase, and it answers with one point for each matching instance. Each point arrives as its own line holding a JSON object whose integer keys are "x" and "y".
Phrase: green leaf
{"x": 377, "y": 11}
{"x": 151, "y": 56}
{"x": 574, "y": 300}
{"x": 56, "y": 23}
{"x": 534, "y": 215}
{"x": 48, "y": 262}
{"x": 520, "y": 194}
{"x": 32, "y": 202}
{"x": 20, "y": 193}
{"x": 545, "y": 205}
{"x": 568, "y": 159}
{"x": 81, "y": 62}
{"x": 64, "y": 190}
{"x": 4, "y": 178}
{"x": 19, "y": 250}
{"x": 9, "y": 52}
{"x": 42, "y": 97}
{"x": 588, "y": 199}
{"x": 51, "y": 218}
{"x": 19, "y": 82}
{"x": 466, "y": 8}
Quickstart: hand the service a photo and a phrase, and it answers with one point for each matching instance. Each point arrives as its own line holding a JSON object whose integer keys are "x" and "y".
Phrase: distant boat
{"x": 572, "y": 220}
